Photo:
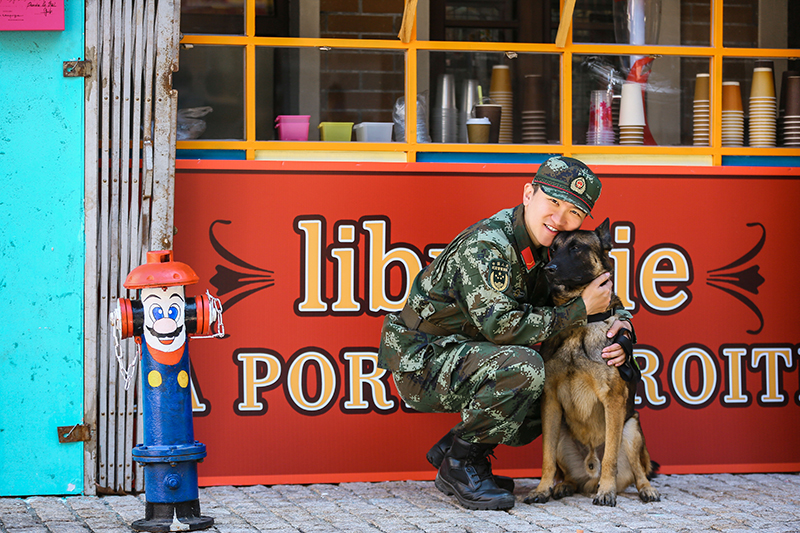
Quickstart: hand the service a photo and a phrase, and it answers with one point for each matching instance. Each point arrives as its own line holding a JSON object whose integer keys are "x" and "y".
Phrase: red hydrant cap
{"x": 160, "y": 271}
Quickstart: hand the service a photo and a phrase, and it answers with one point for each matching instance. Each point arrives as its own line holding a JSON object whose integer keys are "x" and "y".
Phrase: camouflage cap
{"x": 570, "y": 180}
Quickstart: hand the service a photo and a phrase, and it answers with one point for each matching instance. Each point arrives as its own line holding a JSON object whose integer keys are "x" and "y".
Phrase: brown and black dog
{"x": 591, "y": 438}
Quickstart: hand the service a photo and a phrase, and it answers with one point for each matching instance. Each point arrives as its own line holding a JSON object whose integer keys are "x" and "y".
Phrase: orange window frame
{"x": 716, "y": 53}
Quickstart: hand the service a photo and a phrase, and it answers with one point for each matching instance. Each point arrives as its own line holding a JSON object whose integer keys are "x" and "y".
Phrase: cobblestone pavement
{"x": 689, "y": 503}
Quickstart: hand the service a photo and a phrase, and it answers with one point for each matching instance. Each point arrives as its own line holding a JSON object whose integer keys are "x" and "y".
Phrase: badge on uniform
{"x": 499, "y": 278}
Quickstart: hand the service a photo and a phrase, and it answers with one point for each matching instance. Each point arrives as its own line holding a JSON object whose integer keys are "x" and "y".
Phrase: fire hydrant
{"x": 162, "y": 318}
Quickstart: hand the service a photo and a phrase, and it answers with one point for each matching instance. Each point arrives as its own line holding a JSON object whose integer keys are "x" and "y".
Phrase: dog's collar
{"x": 599, "y": 317}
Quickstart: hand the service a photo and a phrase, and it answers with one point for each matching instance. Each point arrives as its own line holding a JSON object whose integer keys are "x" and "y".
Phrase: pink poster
{"x": 19, "y": 15}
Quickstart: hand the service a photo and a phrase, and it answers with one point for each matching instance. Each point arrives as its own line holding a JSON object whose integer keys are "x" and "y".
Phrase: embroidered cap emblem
{"x": 578, "y": 185}
{"x": 498, "y": 275}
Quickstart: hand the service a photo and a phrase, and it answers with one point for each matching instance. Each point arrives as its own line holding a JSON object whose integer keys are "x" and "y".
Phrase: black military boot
{"x": 467, "y": 474}
{"x": 437, "y": 452}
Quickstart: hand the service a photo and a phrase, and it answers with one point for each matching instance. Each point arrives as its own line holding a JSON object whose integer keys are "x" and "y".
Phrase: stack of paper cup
{"x": 444, "y": 113}
{"x": 631, "y": 114}
{"x": 615, "y": 101}
{"x": 782, "y": 102}
{"x": 732, "y": 114}
{"x": 534, "y": 121}
{"x": 701, "y": 133}
{"x": 763, "y": 109}
{"x": 501, "y": 93}
{"x": 469, "y": 97}
{"x": 601, "y": 127}
{"x": 791, "y": 120}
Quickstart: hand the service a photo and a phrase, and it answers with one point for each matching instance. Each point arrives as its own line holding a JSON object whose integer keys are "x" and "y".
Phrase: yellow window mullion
{"x": 411, "y": 100}
{"x": 716, "y": 82}
{"x": 566, "y": 100}
{"x": 716, "y": 24}
{"x": 250, "y": 79}
{"x": 250, "y": 97}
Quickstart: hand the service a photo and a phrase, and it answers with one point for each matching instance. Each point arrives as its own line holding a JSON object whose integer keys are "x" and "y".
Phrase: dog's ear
{"x": 604, "y": 233}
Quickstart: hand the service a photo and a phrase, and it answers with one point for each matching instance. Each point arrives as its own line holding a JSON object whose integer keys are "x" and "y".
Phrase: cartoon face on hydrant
{"x": 164, "y": 322}
{"x": 163, "y": 315}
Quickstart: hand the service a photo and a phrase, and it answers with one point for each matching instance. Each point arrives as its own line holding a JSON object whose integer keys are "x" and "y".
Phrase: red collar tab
{"x": 527, "y": 256}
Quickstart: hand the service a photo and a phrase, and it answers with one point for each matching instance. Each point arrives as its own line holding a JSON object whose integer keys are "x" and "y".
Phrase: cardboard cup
{"x": 763, "y": 84}
{"x": 701, "y": 86}
{"x": 492, "y": 112}
{"x": 792, "y": 96}
{"x": 501, "y": 79}
{"x": 478, "y": 130}
{"x": 533, "y": 95}
{"x": 731, "y": 96}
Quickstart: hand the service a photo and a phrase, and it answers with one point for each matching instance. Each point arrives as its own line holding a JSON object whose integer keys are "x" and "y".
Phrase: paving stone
{"x": 19, "y": 520}
{"x": 50, "y": 509}
{"x": 66, "y": 527}
{"x": 12, "y": 505}
{"x": 32, "y": 529}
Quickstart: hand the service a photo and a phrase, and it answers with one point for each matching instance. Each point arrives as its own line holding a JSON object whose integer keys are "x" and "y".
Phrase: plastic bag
{"x": 189, "y": 124}
{"x": 399, "y": 118}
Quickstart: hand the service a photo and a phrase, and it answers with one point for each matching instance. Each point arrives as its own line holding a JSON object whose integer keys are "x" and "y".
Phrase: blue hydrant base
{"x": 160, "y": 517}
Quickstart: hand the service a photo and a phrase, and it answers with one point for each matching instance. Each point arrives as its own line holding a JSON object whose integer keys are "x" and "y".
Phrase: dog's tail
{"x": 654, "y": 466}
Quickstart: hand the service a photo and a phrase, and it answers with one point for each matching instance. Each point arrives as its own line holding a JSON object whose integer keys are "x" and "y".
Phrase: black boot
{"x": 437, "y": 452}
{"x": 467, "y": 473}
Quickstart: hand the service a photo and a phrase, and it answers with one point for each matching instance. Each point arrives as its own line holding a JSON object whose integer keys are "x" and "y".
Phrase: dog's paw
{"x": 649, "y": 494}
{"x": 563, "y": 490}
{"x": 538, "y": 497}
{"x": 608, "y": 499}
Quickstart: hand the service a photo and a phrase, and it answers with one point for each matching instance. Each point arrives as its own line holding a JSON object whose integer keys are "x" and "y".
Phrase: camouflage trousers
{"x": 496, "y": 389}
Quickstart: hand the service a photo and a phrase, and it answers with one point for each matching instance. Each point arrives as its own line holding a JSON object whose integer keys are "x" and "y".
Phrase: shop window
{"x": 211, "y": 76}
{"x": 228, "y": 17}
{"x": 511, "y": 21}
{"x": 757, "y": 23}
{"x": 526, "y": 86}
{"x": 354, "y": 19}
{"x": 348, "y": 65}
{"x": 339, "y": 85}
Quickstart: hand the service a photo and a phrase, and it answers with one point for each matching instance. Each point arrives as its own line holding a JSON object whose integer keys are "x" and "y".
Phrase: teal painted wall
{"x": 41, "y": 258}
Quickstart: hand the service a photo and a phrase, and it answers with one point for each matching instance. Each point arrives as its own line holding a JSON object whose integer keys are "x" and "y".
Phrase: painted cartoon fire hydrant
{"x": 161, "y": 320}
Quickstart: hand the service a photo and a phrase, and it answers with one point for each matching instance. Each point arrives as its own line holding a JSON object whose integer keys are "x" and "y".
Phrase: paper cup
{"x": 492, "y": 112}
{"x": 501, "y": 79}
{"x": 701, "y": 86}
{"x": 478, "y": 130}
{"x": 533, "y": 95}
{"x": 731, "y": 96}
{"x": 631, "y": 112}
{"x": 763, "y": 84}
{"x": 791, "y": 90}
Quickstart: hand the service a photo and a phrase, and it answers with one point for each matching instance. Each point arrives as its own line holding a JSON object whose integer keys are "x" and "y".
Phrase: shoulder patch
{"x": 499, "y": 275}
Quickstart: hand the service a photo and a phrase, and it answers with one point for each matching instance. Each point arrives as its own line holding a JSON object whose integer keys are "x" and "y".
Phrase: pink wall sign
{"x": 18, "y": 15}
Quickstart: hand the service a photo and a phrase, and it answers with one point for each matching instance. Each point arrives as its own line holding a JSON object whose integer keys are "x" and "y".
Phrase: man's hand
{"x": 597, "y": 295}
{"x": 614, "y": 354}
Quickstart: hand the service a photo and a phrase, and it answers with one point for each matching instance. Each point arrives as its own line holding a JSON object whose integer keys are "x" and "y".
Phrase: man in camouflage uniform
{"x": 463, "y": 342}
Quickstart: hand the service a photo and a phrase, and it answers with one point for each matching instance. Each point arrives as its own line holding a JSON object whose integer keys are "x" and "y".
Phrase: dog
{"x": 591, "y": 437}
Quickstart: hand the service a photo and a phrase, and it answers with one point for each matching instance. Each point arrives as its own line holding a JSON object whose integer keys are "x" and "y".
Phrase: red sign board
{"x": 308, "y": 257}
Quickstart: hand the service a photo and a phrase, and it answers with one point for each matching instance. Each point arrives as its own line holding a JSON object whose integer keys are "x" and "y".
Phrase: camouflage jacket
{"x": 487, "y": 285}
